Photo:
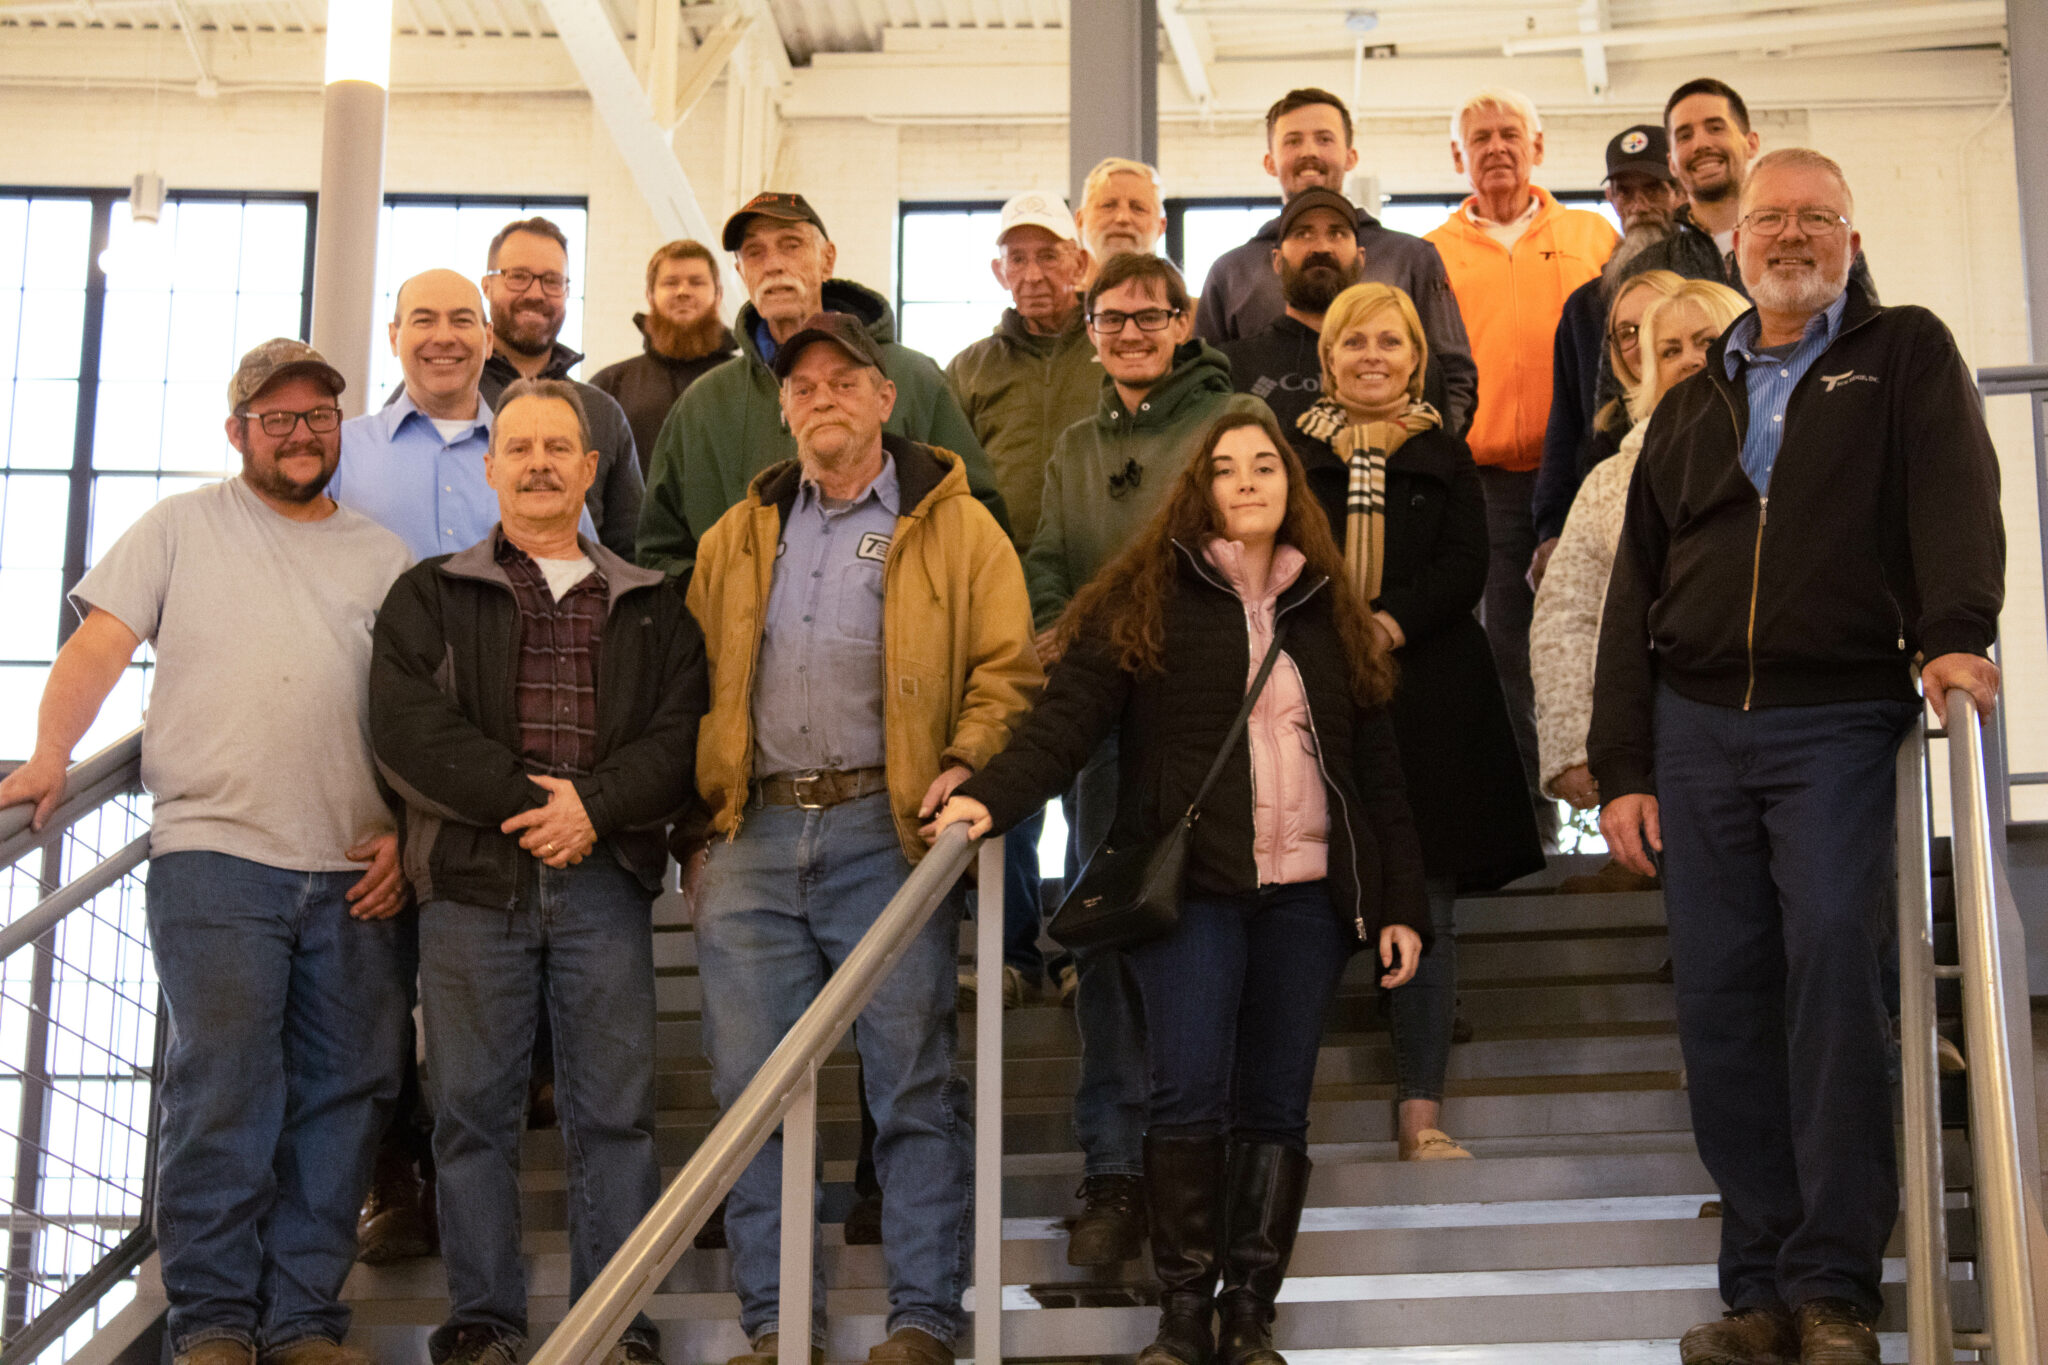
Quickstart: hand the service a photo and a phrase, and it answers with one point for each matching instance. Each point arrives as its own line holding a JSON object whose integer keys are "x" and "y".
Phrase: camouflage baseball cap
{"x": 279, "y": 358}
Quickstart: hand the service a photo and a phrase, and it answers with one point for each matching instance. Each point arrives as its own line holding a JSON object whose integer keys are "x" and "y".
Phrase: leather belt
{"x": 816, "y": 791}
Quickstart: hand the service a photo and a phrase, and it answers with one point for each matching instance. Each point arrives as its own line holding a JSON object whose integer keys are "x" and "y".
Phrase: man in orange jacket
{"x": 1514, "y": 254}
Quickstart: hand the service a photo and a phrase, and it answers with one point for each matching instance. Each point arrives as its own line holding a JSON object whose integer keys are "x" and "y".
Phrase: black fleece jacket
{"x": 1881, "y": 539}
{"x": 1171, "y": 723}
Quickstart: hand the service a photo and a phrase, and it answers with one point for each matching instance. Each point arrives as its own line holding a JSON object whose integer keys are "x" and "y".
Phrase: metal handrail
{"x": 784, "y": 1092}
{"x": 88, "y": 784}
{"x": 2006, "y": 1199}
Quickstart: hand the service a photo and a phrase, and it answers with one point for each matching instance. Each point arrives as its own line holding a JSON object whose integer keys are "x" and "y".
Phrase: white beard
{"x": 1810, "y": 294}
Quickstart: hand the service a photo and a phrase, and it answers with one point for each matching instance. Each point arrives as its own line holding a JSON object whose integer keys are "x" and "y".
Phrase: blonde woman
{"x": 1564, "y": 636}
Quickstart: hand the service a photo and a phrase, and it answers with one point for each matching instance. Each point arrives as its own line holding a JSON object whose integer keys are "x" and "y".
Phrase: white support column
{"x": 799, "y": 1220}
{"x": 1593, "y": 18}
{"x": 2027, "y": 42}
{"x": 988, "y": 1105}
{"x": 351, "y": 192}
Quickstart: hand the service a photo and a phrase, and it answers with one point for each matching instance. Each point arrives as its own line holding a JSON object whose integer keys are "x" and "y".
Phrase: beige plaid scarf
{"x": 1364, "y": 448}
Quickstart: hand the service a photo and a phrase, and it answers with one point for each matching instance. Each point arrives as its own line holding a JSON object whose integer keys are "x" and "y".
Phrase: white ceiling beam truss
{"x": 208, "y": 87}
{"x": 1747, "y": 34}
{"x": 707, "y": 64}
{"x": 1188, "y": 36}
{"x": 1593, "y": 56}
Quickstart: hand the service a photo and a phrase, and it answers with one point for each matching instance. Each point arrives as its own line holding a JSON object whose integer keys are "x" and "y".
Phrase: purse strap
{"x": 1244, "y": 715}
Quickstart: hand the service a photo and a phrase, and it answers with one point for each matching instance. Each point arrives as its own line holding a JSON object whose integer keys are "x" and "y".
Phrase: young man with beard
{"x": 1309, "y": 144}
{"x": 274, "y": 891}
{"x": 1812, "y": 511}
{"x": 1513, "y": 253}
{"x": 684, "y": 340}
{"x": 526, "y": 283}
{"x": 1644, "y": 194}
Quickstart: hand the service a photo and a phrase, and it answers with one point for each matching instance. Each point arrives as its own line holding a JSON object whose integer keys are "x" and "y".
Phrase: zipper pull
{"x": 1763, "y": 511}
{"x": 1359, "y": 920}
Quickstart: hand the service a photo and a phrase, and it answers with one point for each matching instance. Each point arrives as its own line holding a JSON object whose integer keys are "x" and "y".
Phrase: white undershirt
{"x": 1507, "y": 234}
{"x": 1725, "y": 241}
{"x": 564, "y": 574}
{"x": 452, "y": 427}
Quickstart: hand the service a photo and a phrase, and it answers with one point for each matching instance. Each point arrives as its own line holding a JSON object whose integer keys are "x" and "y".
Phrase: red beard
{"x": 700, "y": 338}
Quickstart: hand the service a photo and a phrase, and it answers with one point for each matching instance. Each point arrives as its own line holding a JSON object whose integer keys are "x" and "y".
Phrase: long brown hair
{"x": 1126, "y": 602}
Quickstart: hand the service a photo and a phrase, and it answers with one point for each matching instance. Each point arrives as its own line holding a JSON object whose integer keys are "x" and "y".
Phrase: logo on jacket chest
{"x": 874, "y": 546}
{"x": 1836, "y": 381}
{"x": 1292, "y": 383}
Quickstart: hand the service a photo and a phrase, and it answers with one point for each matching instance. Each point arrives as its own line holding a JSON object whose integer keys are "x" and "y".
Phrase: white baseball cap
{"x": 1037, "y": 209}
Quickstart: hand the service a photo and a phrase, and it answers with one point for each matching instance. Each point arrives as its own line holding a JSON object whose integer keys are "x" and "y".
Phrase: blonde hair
{"x": 1613, "y": 415}
{"x": 1804, "y": 159}
{"x": 1718, "y": 302}
{"x": 1358, "y": 305}
{"x": 1496, "y": 97}
{"x": 1117, "y": 165}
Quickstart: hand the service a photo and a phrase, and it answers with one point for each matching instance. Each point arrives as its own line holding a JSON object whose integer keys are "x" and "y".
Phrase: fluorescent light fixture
{"x": 359, "y": 41}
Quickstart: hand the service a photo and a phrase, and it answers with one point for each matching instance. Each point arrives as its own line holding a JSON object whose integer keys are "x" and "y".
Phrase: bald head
{"x": 438, "y": 335}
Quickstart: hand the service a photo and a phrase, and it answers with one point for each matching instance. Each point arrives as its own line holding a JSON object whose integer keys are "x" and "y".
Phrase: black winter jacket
{"x": 1171, "y": 724}
{"x": 1282, "y": 365}
{"x": 445, "y": 730}
{"x": 649, "y": 384}
{"x": 1881, "y": 539}
{"x": 1464, "y": 775}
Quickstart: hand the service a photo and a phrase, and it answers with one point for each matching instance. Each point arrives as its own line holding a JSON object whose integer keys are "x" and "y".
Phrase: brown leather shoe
{"x": 397, "y": 1221}
{"x": 1833, "y": 1332}
{"x": 767, "y": 1352}
{"x": 1753, "y": 1336}
{"x": 217, "y": 1351}
{"x": 910, "y": 1346}
{"x": 315, "y": 1351}
{"x": 1110, "y": 1228}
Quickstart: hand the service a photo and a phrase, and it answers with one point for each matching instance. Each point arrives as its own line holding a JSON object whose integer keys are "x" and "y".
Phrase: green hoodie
{"x": 1084, "y": 521}
{"x": 727, "y": 427}
{"x": 1021, "y": 390}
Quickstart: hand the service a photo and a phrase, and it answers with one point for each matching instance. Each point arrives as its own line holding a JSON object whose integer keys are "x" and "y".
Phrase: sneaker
{"x": 1833, "y": 1332}
{"x": 1948, "y": 1058}
{"x": 473, "y": 1346}
{"x": 1710, "y": 1208}
{"x": 767, "y": 1352}
{"x": 217, "y": 1351}
{"x": 1433, "y": 1144}
{"x": 1111, "y": 1227}
{"x": 863, "y": 1226}
{"x": 911, "y": 1346}
{"x": 633, "y": 1351}
{"x": 315, "y": 1351}
{"x": 1068, "y": 979}
{"x": 1016, "y": 990}
{"x": 1752, "y": 1336}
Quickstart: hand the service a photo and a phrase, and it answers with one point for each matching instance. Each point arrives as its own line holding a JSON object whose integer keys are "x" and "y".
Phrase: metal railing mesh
{"x": 79, "y": 1060}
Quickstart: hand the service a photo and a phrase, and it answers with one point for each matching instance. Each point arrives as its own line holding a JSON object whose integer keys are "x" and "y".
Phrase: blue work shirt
{"x": 1770, "y": 381}
{"x": 431, "y": 493}
{"x": 818, "y": 687}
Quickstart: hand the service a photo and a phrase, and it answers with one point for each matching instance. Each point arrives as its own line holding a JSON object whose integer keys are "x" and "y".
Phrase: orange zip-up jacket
{"x": 1511, "y": 303}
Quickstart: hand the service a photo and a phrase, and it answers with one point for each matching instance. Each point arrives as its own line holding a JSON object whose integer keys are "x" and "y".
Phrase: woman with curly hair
{"x": 1303, "y": 853}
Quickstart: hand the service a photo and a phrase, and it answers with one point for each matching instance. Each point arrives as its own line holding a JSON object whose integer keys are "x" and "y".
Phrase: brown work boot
{"x": 217, "y": 1351}
{"x": 315, "y": 1351}
{"x": 767, "y": 1352}
{"x": 911, "y": 1346}
{"x": 1111, "y": 1227}
{"x": 397, "y": 1221}
{"x": 1833, "y": 1332}
{"x": 1749, "y": 1336}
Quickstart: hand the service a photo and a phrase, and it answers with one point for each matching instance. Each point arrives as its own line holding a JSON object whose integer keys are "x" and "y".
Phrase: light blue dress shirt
{"x": 818, "y": 687}
{"x": 1770, "y": 381}
{"x": 398, "y": 470}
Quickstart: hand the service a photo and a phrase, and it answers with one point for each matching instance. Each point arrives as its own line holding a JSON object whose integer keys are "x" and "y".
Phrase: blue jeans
{"x": 1420, "y": 1015}
{"x": 578, "y": 943}
{"x": 1020, "y": 898}
{"x": 287, "y": 1019}
{"x": 1235, "y": 996}
{"x": 1109, "y": 1101}
{"x": 1778, "y": 828}
{"x": 781, "y": 907}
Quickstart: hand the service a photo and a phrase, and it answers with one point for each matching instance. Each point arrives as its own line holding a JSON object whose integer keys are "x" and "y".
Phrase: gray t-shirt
{"x": 257, "y": 738}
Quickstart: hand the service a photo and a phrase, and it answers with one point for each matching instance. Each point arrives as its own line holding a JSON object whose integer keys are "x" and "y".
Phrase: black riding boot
{"x": 1183, "y": 1201}
{"x": 1262, "y": 1210}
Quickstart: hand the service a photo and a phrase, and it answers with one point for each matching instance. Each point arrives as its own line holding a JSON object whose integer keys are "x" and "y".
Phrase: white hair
{"x": 1496, "y": 97}
{"x": 1117, "y": 165}
{"x": 1801, "y": 159}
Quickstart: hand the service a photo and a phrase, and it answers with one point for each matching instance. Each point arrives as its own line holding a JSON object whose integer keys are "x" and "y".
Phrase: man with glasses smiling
{"x": 1811, "y": 513}
{"x": 274, "y": 890}
{"x": 1106, "y": 476}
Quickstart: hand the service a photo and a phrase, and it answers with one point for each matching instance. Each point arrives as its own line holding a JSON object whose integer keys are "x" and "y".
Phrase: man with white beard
{"x": 1799, "y": 558}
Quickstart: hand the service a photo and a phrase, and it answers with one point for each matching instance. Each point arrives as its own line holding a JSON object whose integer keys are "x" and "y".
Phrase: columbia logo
{"x": 1835, "y": 381}
{"x": 1265, "y": 386}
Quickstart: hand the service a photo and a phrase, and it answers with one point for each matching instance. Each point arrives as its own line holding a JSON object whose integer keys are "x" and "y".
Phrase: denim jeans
{"x": 1020, "y": 898}
{"x": 781, "y": 907}
{"x": 1235, "y": 996}
{"x": 1420, "y": 1015}
{"x": 578, "y": 943}
{"x": 1778, "y": 832}
{"x": 1506, "y": 609}
{"x": 1109, "y": 1101}
{"x": 287, "y": 1018}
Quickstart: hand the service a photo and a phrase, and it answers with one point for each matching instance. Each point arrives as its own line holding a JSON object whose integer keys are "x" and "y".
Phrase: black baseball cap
{"x": 789, "y": 208}
{"x": 843, "y": 329}
{"x": 1316, "y": 197}
{"x": 1642, "y": 149}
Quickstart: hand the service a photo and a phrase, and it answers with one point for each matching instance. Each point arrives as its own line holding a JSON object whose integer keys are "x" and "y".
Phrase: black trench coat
{"x": 1465, "y": 780}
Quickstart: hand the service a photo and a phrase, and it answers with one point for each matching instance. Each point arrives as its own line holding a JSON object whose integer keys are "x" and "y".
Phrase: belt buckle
{"x": 800, "y": 788}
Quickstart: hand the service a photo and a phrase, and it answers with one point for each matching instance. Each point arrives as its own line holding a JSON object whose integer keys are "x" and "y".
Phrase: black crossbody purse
{"x": 1129, "y": 894}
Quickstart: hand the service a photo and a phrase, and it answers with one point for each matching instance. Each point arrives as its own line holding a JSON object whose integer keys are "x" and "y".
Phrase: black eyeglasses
{"x": 319, "y": 421}
{"x": 519, "y": 281}
{"x": 1109, "y": 322}
{"x": 1127, "y": 479}
{"x": 1812, "y": 222}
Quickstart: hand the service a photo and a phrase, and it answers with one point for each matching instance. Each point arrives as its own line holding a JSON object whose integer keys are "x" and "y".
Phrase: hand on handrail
{"x": 42, "y": 780}
{"x": 956, "y": 810}
{"x": 1973, "y": 674}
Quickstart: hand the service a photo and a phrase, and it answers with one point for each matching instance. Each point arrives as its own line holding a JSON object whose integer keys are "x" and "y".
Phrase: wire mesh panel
{"x": 79, "y": 1052}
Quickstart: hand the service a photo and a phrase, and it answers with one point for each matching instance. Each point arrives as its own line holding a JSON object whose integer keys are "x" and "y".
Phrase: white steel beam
{"x": 1748, "y": 34}
{"x": 710, "y": 62}
{"x": 1593, "y": 56}
{"x": 1188, "y": 36}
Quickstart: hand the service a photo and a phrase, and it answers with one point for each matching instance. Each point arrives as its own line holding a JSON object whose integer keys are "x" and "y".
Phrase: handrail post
{"x": 988, "y": 1106}
{"x": 799, "y": 1220}
{"x": 1929, "y": 1327}
{"x": 2004, "y": 1263}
